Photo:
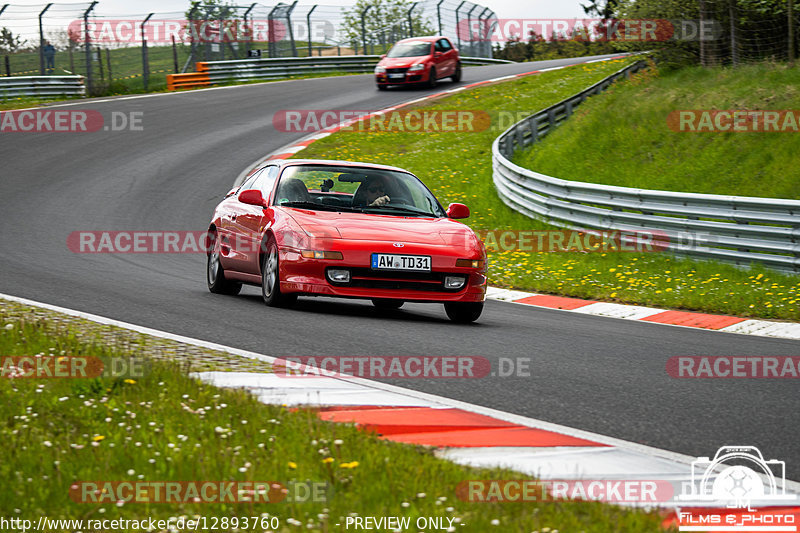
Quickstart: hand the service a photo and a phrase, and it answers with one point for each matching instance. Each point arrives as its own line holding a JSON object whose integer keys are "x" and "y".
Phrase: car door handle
{"x": 233, "y": 218}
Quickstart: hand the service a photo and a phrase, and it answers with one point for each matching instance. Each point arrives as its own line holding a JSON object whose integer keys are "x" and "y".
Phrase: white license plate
{"x": 396, "y": 76}
{"x": 401, "y": 262}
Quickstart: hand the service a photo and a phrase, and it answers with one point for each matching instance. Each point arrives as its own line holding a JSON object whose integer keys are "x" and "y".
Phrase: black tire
{"x": 215, "y": 274}
{"x": 463, "y": 313}
{"x": 387, "y": 303}
{"x": 382, "y": 87}
{"x": 270, "y": 278}
{"x": 456, "y": 77}
{"x": 432, "y": 81}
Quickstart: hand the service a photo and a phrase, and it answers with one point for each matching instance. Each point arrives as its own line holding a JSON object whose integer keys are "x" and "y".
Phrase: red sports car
{"x": 419, "y": 60}
{"x": 343, "y": 229}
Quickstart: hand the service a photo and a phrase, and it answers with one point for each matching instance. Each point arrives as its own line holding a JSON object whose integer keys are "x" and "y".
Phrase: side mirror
{"x": 252, "y": 197}
{"x": 382, "y": 56}
{"x": 457, "y": 211}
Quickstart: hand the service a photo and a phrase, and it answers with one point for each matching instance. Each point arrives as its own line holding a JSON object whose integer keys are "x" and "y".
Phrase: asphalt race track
{"x": 597, "y": 374}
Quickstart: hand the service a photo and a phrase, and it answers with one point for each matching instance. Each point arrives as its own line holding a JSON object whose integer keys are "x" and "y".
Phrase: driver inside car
{"x": 372, "y": 192}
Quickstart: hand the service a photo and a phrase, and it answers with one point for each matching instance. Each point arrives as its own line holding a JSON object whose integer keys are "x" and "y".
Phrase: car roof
{"x": 427, "y": 38}
{"x": 330, "y": 162}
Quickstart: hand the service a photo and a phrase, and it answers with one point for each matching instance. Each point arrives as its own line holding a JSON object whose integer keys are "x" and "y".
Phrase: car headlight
{"x": 318, "y": 254}
{"x": 418, "y": 66}
{"x": 380, "y": 70}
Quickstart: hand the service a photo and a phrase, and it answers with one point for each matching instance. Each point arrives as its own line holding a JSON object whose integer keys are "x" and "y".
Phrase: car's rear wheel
{"x": 215, "y": 274}
{"x": 463, "y": 313}
{"x": 456, "y": 77}
{"x": 432, "y": 81}
{"x": 270, "y": 278}
{"x": 387, "y": 303}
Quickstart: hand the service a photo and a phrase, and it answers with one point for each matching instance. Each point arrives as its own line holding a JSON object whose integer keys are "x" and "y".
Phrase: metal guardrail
{"x": 736, "y": 229}
{"x": 32, "y": 86}
{"x": 251, "y": 69}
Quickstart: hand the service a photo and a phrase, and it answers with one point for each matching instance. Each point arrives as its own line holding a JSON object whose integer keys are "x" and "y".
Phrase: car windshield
{"x": 413, "y": 49}
{"x": 360, "y": 189}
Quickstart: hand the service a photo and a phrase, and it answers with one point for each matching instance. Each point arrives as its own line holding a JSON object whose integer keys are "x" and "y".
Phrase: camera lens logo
{"x": 737, "y": 476}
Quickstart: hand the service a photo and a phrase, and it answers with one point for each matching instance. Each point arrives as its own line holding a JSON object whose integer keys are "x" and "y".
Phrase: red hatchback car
{"x": 343, "y": 229}
{"x": 419, "y": 60}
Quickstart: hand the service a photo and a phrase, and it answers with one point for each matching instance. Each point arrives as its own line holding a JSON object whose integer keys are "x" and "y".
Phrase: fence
{"x": 22, "y": 86}
{"x": 257, "y": 69}
{"x": 735, "y": 229}
{"x": 133, "y": 53}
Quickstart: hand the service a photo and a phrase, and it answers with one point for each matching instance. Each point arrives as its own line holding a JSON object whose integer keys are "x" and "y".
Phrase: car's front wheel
{"x": 382, "y": 86}
{"x": 215, "y": 274}
{"x": 463, "y": 313}
{"x": 270, "y": 278}
{"x": 456, "y": 77}
{"x": 387, "y": 303}
{"x": 432, "y": 81}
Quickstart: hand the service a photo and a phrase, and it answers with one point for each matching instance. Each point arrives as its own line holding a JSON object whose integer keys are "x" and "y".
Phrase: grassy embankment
{"x": 612, "y": 138}
{"x": 163, "y": 425}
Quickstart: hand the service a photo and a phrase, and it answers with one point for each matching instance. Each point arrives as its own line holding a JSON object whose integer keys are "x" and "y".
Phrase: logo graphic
{"x": 398, "y": 245}
{"x": 737, "y": 475}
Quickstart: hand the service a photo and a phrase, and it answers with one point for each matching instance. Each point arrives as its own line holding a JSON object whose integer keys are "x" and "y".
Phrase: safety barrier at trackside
{"x": 45, "y": 86}
{"x": 211, "y": 72}
{"x": 736, "y": 229}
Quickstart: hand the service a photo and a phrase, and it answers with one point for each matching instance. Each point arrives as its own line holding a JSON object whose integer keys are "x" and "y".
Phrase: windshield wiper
{"x": 321, "y": 207}
{"x": 399, "y": 209}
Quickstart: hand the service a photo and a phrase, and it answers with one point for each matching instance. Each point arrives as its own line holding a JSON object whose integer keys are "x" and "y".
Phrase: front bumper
{"x": 408, "y": 78}
{"x": 308, "y": 276}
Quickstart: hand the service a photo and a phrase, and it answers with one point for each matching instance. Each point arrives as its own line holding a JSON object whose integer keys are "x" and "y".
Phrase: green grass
{"x": 166, "y": 426}
{"x": 626, "y": 129}
{"x": 457, "y": 167}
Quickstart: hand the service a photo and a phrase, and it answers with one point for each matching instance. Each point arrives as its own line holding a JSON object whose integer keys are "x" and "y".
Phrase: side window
{"x": 265, "y": 180}
{"x": 438, "y": 46}
{"x": 445, "y": 44}
{"x": 248, "y": 184}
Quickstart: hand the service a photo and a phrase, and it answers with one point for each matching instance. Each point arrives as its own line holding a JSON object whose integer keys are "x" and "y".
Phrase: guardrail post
{"x": 145, "y": 64}
{"x": 469, "y": 29}
{"x": 458, "y": 29}
{"x": 41, "y": 39}
{"x": 291, "y": 31}
{"x": 410, "y": 20}
{"x": 8, "y": 67}
{"x": 308, "y": 25}
{"x": 248, "y": 31}
{"x": 533, "y": 124}
{"x": 88, "y": 47}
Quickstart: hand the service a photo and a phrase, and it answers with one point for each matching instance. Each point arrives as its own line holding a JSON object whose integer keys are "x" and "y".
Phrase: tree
{"x": 10, "y": 42}
{"x": 605, "y": 9}
{"x": 386, "y": 21}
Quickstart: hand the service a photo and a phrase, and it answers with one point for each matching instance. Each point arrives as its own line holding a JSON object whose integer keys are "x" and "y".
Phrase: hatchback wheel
{"x": 432, "y": 81}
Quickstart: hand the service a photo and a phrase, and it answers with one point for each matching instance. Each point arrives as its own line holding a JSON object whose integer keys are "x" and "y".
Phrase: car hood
{"x": 370, "y": 227}
{"x": 401, "y": 62}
